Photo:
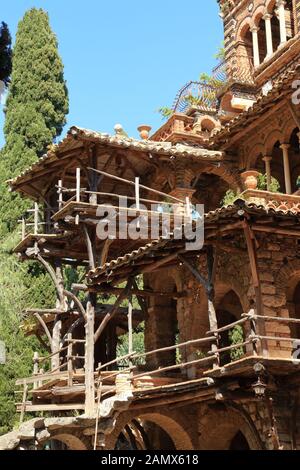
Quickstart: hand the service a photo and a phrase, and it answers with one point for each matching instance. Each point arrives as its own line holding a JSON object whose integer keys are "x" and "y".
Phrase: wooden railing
{"x": 170, "y": 204}
{"x": 211, "y": 352}
{"x": 35, "y": 221}
{"x": 271, "y": 200}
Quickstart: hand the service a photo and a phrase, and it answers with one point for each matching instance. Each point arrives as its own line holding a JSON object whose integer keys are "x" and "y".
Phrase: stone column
{"x": 267, "y": 160}
{"x": 281, "y": 16}
{"x": 256, "y": 59}
{"x": 286, "y": 164}
{"x": 269, "y": 39}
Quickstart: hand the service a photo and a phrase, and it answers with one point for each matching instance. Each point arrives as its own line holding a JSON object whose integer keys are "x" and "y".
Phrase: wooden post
{"x": 60, "y": 305}
{"x": 89, "y": 357}
{"x": 77, "y": 192}
{"x": 188, "y": 209}
{"x": 23, "y": 228}
{"x": 36, "y": 218}
{"x": 253, "y": 332}
{"x": 70, "y": 360}
{"x": 40, "y": 382}
{"x": 130, "y": 332}
{"x": 60, "y": 195}
{"x": 35, "y": 368}
{"x": 99, "y": 393}
{"x": 137, "y": 193}
{"x": 24, "y": 398}
{"x": 77, "y": 184}
{"x": 250, "y": 238}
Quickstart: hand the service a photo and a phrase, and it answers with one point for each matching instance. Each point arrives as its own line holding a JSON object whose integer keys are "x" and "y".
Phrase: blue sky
{"x": 125, "y": 59}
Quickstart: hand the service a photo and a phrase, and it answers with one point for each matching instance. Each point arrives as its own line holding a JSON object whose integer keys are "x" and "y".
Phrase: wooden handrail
{"x": 232, "y": 325}
{"x": 176, "y": 346}
{"x": 123, "y": 180}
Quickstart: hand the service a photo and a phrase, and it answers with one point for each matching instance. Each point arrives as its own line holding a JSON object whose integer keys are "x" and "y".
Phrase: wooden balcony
{"x": 273, "y": 201}
{"x": 266, "y": 340}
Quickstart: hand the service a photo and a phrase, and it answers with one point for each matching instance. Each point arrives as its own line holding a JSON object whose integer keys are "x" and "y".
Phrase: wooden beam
{"x": 160, "y": 263}
{"x": 53, "y": 407}
{"x": 113, "y": 312}
{"x": 276, "y": 230}
{"x": 250, "y": 241}
{"x": 105, "y": 289}
{"x": 89, "y": 246}
{"x": 45, "y": 328}
{"x": 194, "y": 271}
{"x": 89, "y": 358}
{"x": 105, "y": 251}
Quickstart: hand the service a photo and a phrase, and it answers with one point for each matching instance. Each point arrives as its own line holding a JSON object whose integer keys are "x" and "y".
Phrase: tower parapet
{"x": 260, "y": 38}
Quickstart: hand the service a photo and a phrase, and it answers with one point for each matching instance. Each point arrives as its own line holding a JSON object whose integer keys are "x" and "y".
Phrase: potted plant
{"x": 250, "y": 178}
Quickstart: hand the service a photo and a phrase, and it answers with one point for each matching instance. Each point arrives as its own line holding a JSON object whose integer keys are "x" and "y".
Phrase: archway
{"x": 228, "y": 429}
{"x": 239, "y": 442}
{"x": 150, "y": 431}
{"x": 229, "y": 309}
{"x": 64, "y": 442}
{"x": 144, "y": 435}
{"x": 245, "y": 49}
{"x": 262, "y": 41}
{"x": 294, "y": 157}
{"x": 293, "y": 303}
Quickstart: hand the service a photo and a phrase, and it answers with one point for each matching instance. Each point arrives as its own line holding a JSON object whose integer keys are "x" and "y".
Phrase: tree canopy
{"x": 5, "y": 54}
{"x": 36, "y": 110}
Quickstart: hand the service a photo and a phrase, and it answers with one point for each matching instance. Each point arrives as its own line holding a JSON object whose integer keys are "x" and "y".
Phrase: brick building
{"x": 221, "y": 322}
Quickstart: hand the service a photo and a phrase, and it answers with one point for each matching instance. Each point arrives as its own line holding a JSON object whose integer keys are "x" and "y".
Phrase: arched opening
{"x": 293, "y": 299}
{"x": 239, "y": 442}
{"x": 275, "y": 28}
{"x": 54, "y": 444}
{"x": 161, "y": 326}
{"x": 289, "y": 19}
{"x": 64, "y": 442}
{"x": 277, "y": 168}
{"x": 228, "y": 429}
{"x": 210, "y": 190}
{"x": 294, "y": 158}
{"x": 262, "y": 40}
{"x": 295, "y": 328}
{"x": 246, "y": 57}
{"x": 144, "y": 435}
{"x": 229, "y": 310}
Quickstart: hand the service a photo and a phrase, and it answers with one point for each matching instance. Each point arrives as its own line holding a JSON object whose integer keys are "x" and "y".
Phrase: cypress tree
{"x": 5, "y": 54}
{"x": 36, "y": 105}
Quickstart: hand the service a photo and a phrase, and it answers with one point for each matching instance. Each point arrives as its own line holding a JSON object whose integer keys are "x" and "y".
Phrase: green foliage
{"x": 138, "y": 346}
{"x": 35, "y": 115}
{"x": 230, "y": 197}
{"x": 165, "y": 112}
{"x": 262, "y": 184}
{"x": 220, "y": 55}
{"x": 36, "y": 107}
{"x": 20, "y": 287}
{"x": 236, "y": 336}
{"x": 5, "y": 54}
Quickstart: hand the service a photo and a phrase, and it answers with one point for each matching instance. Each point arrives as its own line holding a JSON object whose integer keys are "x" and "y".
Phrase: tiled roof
{"x": 115, "y": 141}
{"x": 224, "y": 215}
